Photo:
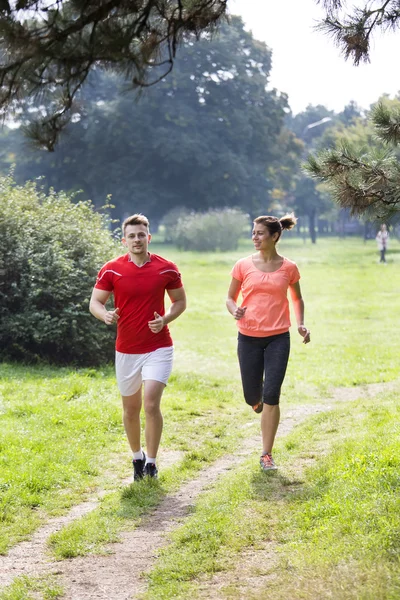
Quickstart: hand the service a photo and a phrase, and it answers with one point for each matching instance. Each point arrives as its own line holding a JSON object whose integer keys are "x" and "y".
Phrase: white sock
{"x": 138, "y": 455}
{"x": 150, "y": 460}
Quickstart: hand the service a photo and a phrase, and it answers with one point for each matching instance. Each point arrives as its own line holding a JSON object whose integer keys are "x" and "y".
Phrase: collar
{"x": 142, "y": 265}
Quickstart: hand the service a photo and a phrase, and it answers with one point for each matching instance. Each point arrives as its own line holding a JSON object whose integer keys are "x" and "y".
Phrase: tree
{"x": 353, "y": 32}
{"x": 209, "y": 135}
{"x": 50, "y": 252}
{"x": 364, "y": 181}
{"x": 365, "y": 177}
{"x": 47, "y": 50}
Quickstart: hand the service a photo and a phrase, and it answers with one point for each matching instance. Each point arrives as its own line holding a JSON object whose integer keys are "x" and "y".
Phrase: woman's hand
{"x": 305, "y": 333}
{"x": 239, "y": 312}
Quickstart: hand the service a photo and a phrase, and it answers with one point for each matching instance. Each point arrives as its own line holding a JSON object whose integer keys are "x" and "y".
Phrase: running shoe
{"x": 150, "y": 470}
{"x": 267, "y": 463}
{"x": 258, "y": 407}
{"x": 138, "y": 467}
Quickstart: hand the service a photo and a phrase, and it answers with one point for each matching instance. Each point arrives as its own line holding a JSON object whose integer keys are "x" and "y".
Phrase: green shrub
{"x": 170, "y": 220}
{"x": 50, "y": 252}
{"x": 217, "y": 229}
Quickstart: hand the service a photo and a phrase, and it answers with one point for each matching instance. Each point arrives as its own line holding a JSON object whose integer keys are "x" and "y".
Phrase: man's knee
{"x": 131, "y": 412}
{"x": 152, "y": 407}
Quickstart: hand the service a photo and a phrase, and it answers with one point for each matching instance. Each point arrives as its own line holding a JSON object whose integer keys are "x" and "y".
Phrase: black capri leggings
{"x": 263, "y": 362}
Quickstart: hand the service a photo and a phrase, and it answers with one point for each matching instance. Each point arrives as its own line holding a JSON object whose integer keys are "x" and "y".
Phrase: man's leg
{"x": 131, "y": 417}
{"x": 153, "y": 391}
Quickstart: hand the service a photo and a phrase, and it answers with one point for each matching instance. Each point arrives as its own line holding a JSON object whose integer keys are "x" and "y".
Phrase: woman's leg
{"x": 251, "y": 362}
{"x": 276, "y": 356}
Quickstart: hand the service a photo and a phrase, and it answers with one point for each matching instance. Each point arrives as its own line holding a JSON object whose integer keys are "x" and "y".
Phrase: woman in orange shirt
{"x": 263, "y": 321}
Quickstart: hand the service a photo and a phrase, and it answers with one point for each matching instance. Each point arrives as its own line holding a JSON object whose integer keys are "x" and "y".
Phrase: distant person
{"x": 144, "y": 351}
{"x": 263, "y": 279}
{"x": 382, "y": 239}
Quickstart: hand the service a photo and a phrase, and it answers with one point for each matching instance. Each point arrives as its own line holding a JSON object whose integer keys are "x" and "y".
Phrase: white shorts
{"x": 133, "y": 369}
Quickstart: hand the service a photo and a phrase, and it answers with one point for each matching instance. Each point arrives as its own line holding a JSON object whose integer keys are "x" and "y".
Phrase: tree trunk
{"x": 311, "y": 226}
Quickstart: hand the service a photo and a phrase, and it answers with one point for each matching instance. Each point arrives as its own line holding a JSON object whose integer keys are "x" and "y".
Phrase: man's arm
{"x": 98, "y": 309}
{"x": 178, "y": 300}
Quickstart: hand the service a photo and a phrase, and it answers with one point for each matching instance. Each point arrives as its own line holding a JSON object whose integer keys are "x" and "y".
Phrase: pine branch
{"x": 387, "y": 123}
{"x": 365, "y": 184}
{"x": 352, "y": 33}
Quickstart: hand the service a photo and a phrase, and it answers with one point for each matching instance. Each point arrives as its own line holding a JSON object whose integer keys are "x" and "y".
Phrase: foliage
{"x": 50, "y": 252}
{"x": 60, "y": 43}
{"x": 364, "y": 176}
{"x": 204, "y": 137}
{"x": 170, "y": 220}
{"x": 213, "y": 230}
{"x": 353, "y": 32}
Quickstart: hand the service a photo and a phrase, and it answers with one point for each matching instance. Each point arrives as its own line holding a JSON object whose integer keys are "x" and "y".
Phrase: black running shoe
{"x": 150, "y": 470}
{"x": 138, "y": 467}
{"x": 258, "y": 407}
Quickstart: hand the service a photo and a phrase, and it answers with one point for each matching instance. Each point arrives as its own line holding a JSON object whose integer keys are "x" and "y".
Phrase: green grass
{"x": 202, "y": 431}
{"x": 60, "y": 429}
{"x": 62, "y": 435}
{"x": 28, "y": 588}
{"x": 333, "y": 526}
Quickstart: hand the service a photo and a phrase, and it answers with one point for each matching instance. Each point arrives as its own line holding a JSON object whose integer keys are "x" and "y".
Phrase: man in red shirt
{"x": 144, "y": 349}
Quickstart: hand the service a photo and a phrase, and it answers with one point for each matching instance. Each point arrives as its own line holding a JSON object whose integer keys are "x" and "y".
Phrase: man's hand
{"x": 111, "y": 316}
{"x": 305, "y": 334}
{"x": 158, "y": 324}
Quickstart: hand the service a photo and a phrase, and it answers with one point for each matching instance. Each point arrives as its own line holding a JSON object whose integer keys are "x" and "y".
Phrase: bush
{"x": 50, "y": 252}
{"x": 217, "y": 229}
{"x": 170, "y": 220}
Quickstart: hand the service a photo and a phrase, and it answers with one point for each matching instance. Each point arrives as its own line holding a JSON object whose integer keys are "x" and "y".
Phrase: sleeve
{"x": 104, "y": 279}
{"x": 237, "y": 272}
{"x": 175, "y": 278}
{"x": 294, "y": 274}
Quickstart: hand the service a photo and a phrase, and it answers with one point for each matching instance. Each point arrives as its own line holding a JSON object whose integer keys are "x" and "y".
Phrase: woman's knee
{"x": 271, "y": 397}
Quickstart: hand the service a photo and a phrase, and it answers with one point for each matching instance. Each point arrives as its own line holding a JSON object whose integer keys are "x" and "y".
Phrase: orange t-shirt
{"x": 265, "y": 295}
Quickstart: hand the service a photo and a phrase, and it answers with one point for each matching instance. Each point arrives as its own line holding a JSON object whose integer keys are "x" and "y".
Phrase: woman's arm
{"x": 298, "y": 305}
{"x": 236, "y": 311}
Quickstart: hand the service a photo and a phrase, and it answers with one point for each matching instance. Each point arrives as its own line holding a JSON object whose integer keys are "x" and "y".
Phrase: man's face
{"x": 136, "y": 239}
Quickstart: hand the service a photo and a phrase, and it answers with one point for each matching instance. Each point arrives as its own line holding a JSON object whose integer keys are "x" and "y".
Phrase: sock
{"x": 138, "y": 455}
{"x": 150, "y": 460}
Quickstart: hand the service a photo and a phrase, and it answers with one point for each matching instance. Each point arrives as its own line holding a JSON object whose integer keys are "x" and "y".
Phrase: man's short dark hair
{"x": 137, "y": 219}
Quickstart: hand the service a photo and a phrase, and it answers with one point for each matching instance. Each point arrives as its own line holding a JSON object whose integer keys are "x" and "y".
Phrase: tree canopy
{"x": 207, "y": 136}
{"x": 48, "y": 49}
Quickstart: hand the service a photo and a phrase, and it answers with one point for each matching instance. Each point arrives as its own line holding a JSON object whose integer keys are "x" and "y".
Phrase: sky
{"x": 308, "y": 66}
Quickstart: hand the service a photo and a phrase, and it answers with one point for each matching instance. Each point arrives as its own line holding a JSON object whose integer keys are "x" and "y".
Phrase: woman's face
{"x": 262, "y": 238}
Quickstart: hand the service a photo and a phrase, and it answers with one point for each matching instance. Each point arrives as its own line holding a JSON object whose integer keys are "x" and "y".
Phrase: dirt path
{"x": 30, "y": 557}
{"x": 119, "y": 575}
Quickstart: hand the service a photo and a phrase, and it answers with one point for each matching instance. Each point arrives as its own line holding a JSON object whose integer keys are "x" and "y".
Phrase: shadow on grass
{"x": 274, "y": 485}
{"x": 139, "y": 498}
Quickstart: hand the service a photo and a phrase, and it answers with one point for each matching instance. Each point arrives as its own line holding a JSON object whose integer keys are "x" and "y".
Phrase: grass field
{"x": 334, "y": 528}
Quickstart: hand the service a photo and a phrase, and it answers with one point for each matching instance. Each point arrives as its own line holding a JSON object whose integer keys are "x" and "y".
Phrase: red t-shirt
{"x": 138, "y": 293}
